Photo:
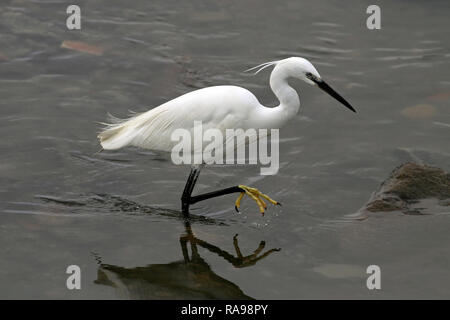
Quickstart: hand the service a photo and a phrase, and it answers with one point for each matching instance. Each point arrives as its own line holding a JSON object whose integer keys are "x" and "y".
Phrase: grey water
{"x": 116, "y": 214}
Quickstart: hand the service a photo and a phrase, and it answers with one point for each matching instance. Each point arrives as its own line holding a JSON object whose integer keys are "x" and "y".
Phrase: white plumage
{"x": 152, "y": 129}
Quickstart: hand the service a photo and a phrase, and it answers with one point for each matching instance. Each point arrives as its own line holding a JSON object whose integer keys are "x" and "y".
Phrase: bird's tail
{"x": 117, "y": 134}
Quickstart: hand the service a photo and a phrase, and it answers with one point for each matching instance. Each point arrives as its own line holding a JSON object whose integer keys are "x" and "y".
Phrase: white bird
{"x": 222, "y": 107}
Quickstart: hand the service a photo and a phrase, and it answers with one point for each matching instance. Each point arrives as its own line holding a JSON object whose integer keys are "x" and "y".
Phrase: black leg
{"x": 215, "y": 194}
{"x": 187, "y": 199}
{"x": 188, "y": 188}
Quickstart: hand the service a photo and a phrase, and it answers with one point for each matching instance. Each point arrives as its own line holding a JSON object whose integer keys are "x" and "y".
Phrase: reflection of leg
{"x": 239, "y": 261}
{"x": 184, "y": 249}
{"x": 184, "y": 239}
{"x": 265, "y": 255}
{"x": 194, "y": 249}
{"x": 212, "y": 248}
{"x": 251, "y": 259}
{"x": 236, "y": 246}
{"x": 254, "y": 256}
{"x": 261, "y": 246}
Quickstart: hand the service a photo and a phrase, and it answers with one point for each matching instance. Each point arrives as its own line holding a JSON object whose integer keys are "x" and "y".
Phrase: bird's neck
{"x": 288, "y": 97}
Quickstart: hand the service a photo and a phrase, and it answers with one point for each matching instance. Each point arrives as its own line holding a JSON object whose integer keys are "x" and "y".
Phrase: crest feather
{"x": 262, "y": 66}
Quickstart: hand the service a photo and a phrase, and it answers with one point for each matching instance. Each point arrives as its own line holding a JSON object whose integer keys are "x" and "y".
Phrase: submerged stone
{"x": 408, "y": 184}
{"x": 420, "y": 111}
{"x": 82, "y": 47}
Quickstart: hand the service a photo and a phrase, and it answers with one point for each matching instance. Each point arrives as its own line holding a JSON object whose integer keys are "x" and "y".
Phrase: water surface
{"x": 115, "y": 214}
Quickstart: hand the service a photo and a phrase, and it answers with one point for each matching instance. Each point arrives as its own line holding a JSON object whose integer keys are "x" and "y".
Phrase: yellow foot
{"x": 256, "y": 196}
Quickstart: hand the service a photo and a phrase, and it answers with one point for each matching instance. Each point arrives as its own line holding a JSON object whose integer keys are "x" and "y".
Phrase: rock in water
{"x": 408, "y": 184}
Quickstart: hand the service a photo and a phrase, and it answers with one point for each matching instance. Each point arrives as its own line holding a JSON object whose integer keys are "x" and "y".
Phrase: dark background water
{"x": 115, "y": 214}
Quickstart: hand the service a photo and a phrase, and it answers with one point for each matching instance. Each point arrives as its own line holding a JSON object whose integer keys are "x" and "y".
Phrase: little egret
{"x": 222, "y": 107}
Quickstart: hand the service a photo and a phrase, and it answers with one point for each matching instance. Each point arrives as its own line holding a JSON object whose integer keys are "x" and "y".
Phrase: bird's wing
{"x": 216, "y": 107}
{"x": 142, "y": 130}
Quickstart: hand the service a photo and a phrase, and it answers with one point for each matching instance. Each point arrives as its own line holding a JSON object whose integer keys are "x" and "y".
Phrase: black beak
{"x": 325, "y": 87}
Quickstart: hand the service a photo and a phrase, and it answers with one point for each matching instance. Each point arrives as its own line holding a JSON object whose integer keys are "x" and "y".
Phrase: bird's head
{"x": 300, "y": 68}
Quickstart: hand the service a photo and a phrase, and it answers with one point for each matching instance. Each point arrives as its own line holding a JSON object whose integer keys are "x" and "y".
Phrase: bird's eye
{"x": 309, "y": 75}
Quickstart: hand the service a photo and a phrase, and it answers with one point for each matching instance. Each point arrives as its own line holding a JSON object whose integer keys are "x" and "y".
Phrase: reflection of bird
{"x": 221, "y": 107}
{"x": 191, "y": 278}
